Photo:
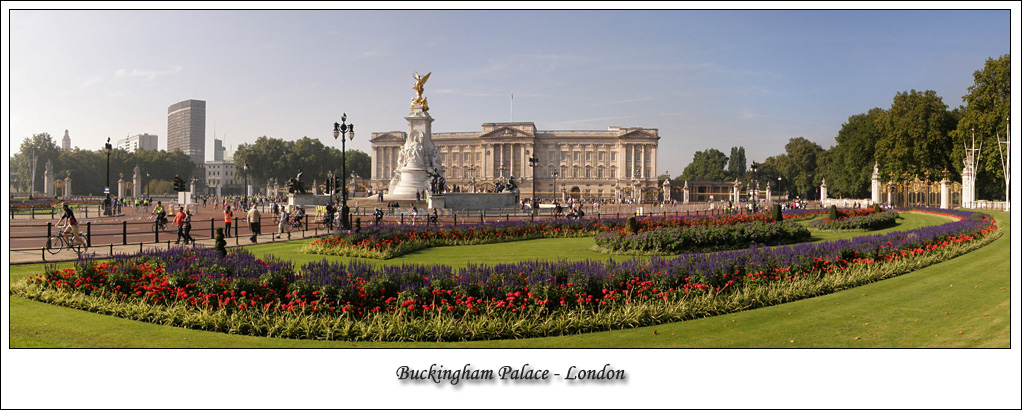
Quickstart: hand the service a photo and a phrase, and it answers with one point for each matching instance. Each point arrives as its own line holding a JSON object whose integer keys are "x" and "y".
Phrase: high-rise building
{"x": 145, "y": 142}
{"x": 186, "y": 129}
{"x": 218, "y": 150}
{"x": 66, "y": 144}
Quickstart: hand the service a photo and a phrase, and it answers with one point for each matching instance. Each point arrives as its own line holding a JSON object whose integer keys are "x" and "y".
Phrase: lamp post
{"x": 245, "y": 167}
{"x": 755, "y": 193}
{"x": 341, "y": 130}
{"x": 330, "y": 185}
{"x": 553, "y": 193}
{"x": 147, "y": 181}
{"x": 472, "y": 170}
{"x": 534, "y": 161}
{"x": 31, "y": 190}
{"x": 106, "y": 202}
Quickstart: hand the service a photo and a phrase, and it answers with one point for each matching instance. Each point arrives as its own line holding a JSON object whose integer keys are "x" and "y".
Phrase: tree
{"x": 736, "y": 164}
{"x": 799, "y": 166}
{"x": 276, "y": 158}
{"x": 849, "y": 167}
{"x": 706, "y": 166}
{"x": 988, "y": 105}
{"x": 914, "y": 135}
{"x": 45, "y": 149}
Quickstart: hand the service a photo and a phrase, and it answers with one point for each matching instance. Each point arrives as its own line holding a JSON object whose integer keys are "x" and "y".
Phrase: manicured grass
{"x": 926, "y": 308}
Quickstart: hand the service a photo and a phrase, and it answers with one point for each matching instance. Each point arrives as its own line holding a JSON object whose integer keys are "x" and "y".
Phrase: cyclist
{"x": 329, "y": 219}
{"x": 160, "y": 212}
{"x": 72, "y": 223}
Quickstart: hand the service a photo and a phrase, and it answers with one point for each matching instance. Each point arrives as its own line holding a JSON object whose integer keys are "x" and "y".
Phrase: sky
{"x": 703, "y": 78}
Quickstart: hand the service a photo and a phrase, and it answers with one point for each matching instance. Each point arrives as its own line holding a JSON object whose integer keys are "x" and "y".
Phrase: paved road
{"x": 133, "y": 229}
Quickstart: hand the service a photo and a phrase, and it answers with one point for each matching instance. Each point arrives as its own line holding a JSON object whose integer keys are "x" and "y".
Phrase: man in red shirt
{"x": 179, "y": 220}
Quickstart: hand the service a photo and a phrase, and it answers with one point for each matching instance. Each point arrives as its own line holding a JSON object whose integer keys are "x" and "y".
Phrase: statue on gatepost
{"x": 511, "y": 185}
{"x": 437, "y": 182}
{"x": 294, "y": 185}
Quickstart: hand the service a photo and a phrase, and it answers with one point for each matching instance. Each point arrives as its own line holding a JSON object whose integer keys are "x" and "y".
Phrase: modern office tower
{"x": 186, "y": 129}
{"x": 218, "y": 149}
{"x": 145, "y": 142}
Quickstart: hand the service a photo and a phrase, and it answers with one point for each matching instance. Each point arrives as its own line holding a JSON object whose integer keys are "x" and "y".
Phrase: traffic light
{"x": 179, "y": 184}
{"x": 337, "y": 184}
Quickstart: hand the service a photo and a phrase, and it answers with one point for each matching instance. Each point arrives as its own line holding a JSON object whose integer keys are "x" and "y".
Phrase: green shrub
{"x": 777, "y": 216}
{"x": 632, "y": 225}
{"x": 833, "y": 213}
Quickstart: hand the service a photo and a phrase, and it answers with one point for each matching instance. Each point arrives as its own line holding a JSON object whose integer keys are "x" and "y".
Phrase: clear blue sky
{"x": 705, "y": 79}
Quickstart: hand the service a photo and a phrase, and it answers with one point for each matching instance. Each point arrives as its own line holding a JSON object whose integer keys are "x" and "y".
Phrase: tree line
{"x": 917, "y": 134}
{"x": 267, "y": 158}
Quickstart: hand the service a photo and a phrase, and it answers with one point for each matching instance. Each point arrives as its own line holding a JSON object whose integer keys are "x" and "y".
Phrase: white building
{"x": 220, "y": 175}
{"x": 617, "y": 164}
{"x": 146, "y": 142}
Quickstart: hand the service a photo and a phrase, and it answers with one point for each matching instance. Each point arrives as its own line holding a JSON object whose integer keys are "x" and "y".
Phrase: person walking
{"x": 188, "y": 227}
{"x": 179, "y": 221}
{"x": 227, "y": 220}
{"x": 283, "y": 225}
{"x": 254, "y": 222}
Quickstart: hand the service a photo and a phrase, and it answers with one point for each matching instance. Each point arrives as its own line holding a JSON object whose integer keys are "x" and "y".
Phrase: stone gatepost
{"x": 67, "y": 186}
{"x": 120, "y": 187}
{"x": 136, "y": 183}
{"x": 874, "y": 184}
{"x": 48, "y": 188}
{"x": 736, "y": 193}
{"x": 945, "y": 194}
{"x": 685, "y": 193}
{"x": 667, "y": 190}
{"x": 823, "y": 190}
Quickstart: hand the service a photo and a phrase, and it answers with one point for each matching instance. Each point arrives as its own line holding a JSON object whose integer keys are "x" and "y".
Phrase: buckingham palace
{"x": 616, "y": 164}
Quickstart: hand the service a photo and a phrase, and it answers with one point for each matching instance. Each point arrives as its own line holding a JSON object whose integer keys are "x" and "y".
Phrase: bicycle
{"x": 56, "y": 243}
{"x": 160, "y": 224}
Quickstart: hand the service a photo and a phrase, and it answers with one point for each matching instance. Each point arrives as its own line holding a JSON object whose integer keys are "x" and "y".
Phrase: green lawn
{"x": 963, "y": 302}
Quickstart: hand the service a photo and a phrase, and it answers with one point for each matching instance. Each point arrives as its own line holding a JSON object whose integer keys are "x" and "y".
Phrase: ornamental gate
{"x": 923, "y": 193}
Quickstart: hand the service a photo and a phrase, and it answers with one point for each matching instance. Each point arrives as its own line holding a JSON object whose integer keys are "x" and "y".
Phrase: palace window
{"x": 600, "y": 156}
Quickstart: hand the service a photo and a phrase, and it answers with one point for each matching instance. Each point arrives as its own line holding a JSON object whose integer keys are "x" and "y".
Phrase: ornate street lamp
{"x": 755, "y": 193}
{"x": 553, "y": 194}
{"x": 472, "y": 171}
{"x": 147, "y": 181}
{"x": 33, "y": 158}
{"x": 106, "y": 204}
{"x": 341, "y": 130}
{"x": 534, "y": 161}
{"x": 245, "y": 166}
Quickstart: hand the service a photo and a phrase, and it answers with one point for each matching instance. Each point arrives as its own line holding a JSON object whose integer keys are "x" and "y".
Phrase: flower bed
{"x": 388, "y": 241}
{"x": 857, "y": 221}
{"x": 675, "y": 240}
{"x": 358, "y": 300}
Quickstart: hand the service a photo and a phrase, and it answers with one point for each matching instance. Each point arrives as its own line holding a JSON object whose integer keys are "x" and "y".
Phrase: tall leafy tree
{"x": 706, "y": 166}
{"x": 914, "y": 135}
{"x": 987, "y": 106}
{"x": 45, "y": 149}
{"x": 850, "y": 163}
{"x": 736, "y": 163}
{"x": 799, "y": 167}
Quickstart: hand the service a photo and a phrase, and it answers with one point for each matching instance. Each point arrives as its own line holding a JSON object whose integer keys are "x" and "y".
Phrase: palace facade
{"x": 616, "y": 164}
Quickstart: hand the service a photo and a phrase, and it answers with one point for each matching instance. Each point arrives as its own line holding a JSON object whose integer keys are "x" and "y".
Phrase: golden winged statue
{"x": 419, "y": 100}
{"x": 419, "y": 81}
